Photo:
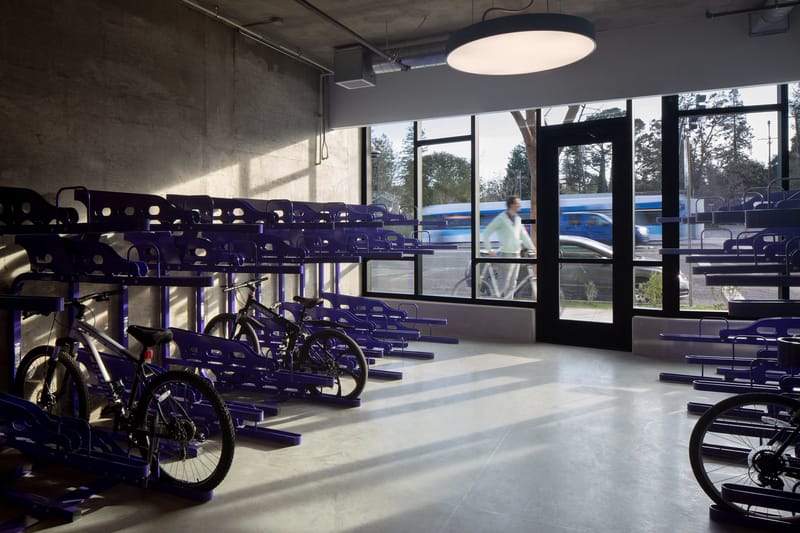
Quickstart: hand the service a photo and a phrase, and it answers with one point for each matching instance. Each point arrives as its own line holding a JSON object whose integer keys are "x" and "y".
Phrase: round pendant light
{"x": 521, "y": 44}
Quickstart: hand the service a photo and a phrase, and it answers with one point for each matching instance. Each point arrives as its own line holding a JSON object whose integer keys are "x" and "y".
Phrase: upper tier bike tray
{"x": 64, "y": 259}
{"x": 763, "y": 308}
{"x": 761, "y": 331}
{"x": 24, "y": 211}
{"x": 119, "y": 208}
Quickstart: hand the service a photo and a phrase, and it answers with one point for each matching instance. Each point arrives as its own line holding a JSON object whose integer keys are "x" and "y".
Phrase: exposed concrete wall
{"x": 149, "y": 96}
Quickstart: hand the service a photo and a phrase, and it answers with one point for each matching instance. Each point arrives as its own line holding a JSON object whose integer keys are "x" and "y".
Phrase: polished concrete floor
{"x": 486, "y": 437}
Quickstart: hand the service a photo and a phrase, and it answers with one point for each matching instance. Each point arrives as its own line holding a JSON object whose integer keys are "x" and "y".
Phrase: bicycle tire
{"x": 528, "y": 282}
{"x": 228, "y": 326}
{"x": 319, "y": 355}
{"x": 72, "y": 400}
{"x": 188, "y": 426}
{"x": 458, "y": 288}
{"x": 735, "y": 458}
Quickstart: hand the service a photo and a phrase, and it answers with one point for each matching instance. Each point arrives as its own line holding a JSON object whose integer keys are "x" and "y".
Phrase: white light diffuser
{"x": 521, "y": 44}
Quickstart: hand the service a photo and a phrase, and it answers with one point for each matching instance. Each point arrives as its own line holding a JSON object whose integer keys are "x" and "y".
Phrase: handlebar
{"x": 249, "y": 283}
{"x": 523, "y": 255}
{"x": 101, "y": 296}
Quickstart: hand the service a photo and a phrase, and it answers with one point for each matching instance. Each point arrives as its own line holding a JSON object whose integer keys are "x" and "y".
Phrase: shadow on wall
{"x": 153, "y": 97}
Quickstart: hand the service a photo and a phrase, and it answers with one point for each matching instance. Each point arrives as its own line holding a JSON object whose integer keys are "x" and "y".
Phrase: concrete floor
{"x": 486, "y": 437}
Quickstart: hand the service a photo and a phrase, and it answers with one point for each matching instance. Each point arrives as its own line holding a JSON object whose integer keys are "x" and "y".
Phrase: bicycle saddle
{"x": 150, "y": 337}
{"x": 308, "y": 302}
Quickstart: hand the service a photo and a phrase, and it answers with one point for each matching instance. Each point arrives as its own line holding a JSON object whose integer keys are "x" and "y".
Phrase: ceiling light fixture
{"x": 520, "y": 44}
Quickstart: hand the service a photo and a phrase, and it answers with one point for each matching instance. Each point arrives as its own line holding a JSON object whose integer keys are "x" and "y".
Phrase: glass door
{"x": 586, "y": 233}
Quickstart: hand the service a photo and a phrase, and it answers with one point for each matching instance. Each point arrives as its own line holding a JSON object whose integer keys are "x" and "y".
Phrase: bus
{"x": 451, "y": 223}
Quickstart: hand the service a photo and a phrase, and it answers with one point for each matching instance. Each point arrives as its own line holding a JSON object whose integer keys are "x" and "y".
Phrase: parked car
{"x": 596, "y": 226}
{"x": 576, "y": 277}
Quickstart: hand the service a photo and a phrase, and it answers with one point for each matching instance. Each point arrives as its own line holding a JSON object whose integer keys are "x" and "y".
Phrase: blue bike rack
{"x": 47, "y": 439}
{"x": 756, "y": 371}
{"x": 235, "y": 366}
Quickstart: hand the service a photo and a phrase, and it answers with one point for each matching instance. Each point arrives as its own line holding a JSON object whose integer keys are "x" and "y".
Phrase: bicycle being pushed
{"x": 304, "y": 345}
{"x": 174, "y": 419}
{"x": 516, "y": 283}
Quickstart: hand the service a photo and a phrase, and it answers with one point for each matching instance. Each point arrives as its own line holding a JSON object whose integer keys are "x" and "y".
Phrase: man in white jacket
{"x": 508, "y": 228}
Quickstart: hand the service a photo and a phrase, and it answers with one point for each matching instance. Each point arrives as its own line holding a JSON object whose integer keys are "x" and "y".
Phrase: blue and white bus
{"x": 452, "y": 222}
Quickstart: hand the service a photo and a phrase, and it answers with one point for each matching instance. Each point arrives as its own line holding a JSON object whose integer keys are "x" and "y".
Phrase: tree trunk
{"x": 527, "y": 126}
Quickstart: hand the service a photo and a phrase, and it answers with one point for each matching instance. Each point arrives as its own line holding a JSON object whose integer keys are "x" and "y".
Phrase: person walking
{"x": 513, "y": 237}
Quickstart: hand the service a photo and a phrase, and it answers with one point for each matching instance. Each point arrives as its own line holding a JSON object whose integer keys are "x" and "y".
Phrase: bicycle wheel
{"x": 331, "y": 352}
{"x": 525, "y": 289}
{"x": 225, "y": 325}
{"x": 187, "y": 424}
{"x": 56, "y": 386}
{"x": 740, "y": 441}
{"x": 463, "y": 287}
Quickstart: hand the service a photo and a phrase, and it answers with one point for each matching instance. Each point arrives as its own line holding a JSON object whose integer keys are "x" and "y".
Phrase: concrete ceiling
{"x": 387, "y": 23}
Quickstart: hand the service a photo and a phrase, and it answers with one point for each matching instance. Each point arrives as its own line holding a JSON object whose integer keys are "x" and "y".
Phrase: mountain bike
{"x": 323, "y": 350}
{"x": 174, "y": 419}
{"x": 491, "y": 286}
{"x": 748, "y": 446}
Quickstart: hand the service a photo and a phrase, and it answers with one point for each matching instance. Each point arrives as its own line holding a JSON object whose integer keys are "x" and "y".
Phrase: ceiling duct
{"x": 431, "y": 53}
{"x": 772, "y": 17}
{"x": 352, "y": 67}
{"x": 770, "y": 21}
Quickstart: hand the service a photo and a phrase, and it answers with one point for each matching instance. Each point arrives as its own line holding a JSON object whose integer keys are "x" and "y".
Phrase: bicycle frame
{"x": 498, "y": 288}
{"x": 292, "y": 330}
{"x": 87, "y": 335}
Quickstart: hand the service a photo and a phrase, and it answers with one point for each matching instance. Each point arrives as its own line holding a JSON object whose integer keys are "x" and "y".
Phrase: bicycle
{"x": 491, "y": 286}
{"x": 325, "y": 351}
{"x": 176, "y": 420}
{"x": 750, "y": 443}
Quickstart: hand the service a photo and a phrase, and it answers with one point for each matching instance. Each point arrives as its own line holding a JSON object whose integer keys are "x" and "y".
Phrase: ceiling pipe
{"x": 258, "y": 38}
{"x": 431, "y": 54}
{"x": 363, "y": 42}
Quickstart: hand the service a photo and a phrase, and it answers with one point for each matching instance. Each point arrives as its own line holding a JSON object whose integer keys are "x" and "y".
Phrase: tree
{"x": 647, "y": 156}
{"x": 384, "y": 181}
{"x": 405, "y": 171}
{"x": 516, "y": 180}
{"x": 446, "y": 178}
{"x": 527, "y": 125}
{"x": 794, "y": 149}
{"x": 717, "y": 149}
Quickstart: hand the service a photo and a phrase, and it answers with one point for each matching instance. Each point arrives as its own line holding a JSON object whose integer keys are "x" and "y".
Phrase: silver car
{"x": 585, "y": 281}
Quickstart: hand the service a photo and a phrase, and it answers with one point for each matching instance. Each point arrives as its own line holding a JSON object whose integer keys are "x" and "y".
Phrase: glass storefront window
{"x": 647, "y": 176}
{"x": 504, "y": 170}
{"x": 743, "y": 96}
{"x": 725, "y": 163}
{"x": 794, "y": 132}
{"x": 446, "y": 214}
{"x": 391, "y": 165}
{"x": 566, "y": 114}
{"x": 440, "y": 128}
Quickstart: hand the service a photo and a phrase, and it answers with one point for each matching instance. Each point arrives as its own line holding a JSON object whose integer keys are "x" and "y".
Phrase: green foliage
{"x": 516, "y": 181}
{"x": 719, "y": 148}
{"x": 445, "y": 179}
{"x": 586, "y": 168}
{"x": 650, "y": 292}
{"x": 384, "y": 163}
{"x": 647, "y": 156}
